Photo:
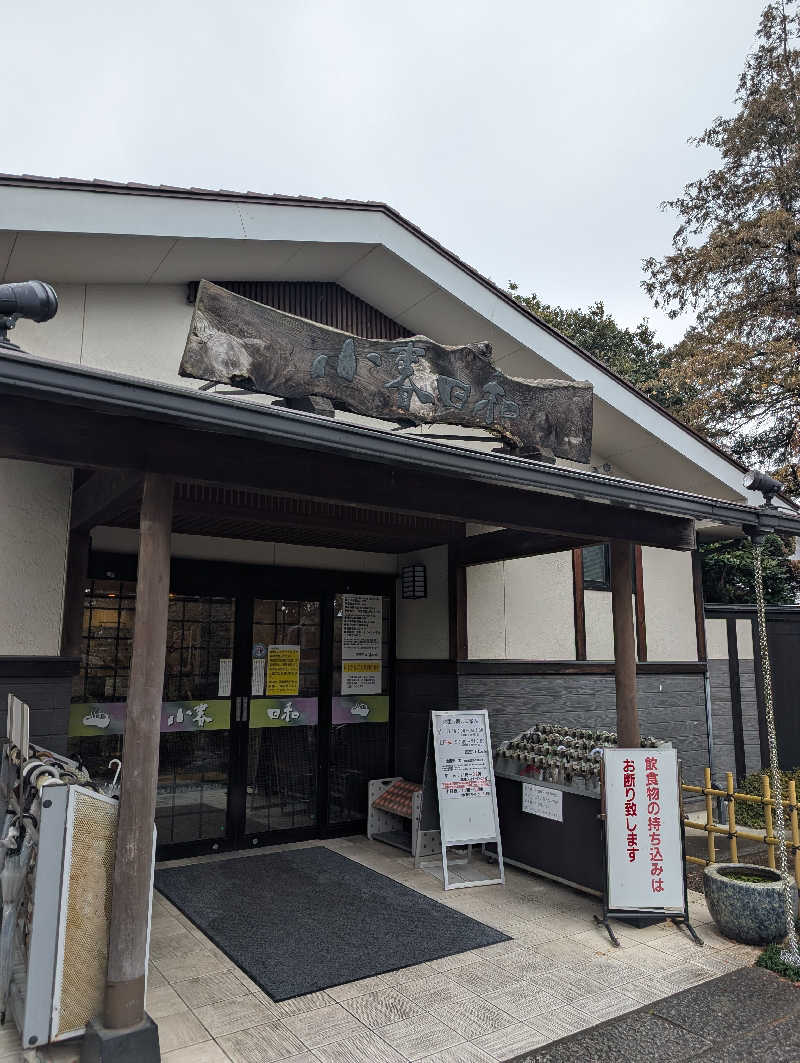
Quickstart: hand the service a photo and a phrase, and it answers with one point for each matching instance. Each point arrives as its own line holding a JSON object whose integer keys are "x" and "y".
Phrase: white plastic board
{"x": 543, "y": 801}
{"x": 464, "y": 777}
{"x": 464, "y": 802}
{"x": 643, "y": 831}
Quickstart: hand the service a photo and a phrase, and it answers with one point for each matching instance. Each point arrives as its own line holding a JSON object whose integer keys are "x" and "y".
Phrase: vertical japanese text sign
{"x": 643, "y": 830}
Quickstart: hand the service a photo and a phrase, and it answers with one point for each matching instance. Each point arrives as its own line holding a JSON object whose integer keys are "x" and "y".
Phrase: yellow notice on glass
{"x": 283, "y": 671}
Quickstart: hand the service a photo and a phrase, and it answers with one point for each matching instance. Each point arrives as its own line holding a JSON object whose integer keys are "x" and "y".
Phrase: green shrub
{"x": 749, "y": 814}
{"x": 771, "y": 959}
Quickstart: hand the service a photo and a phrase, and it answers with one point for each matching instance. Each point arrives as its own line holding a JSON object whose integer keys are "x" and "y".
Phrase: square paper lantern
{"x": 412, "y": 579}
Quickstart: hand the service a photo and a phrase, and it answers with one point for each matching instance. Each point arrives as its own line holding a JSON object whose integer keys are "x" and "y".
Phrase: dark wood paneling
{"x": 74, "y": 590}
{"x": 508, "y": 544}
{"x": 736, "y": 699}
{"x": 38, "y": 667}
{"x": 457, "y": 607}
{"x": 699, "y": 606}
{"x": 322, "y": 301}
{"x": 576, "y": 668}
{"x": 579, "y": 604}
{"x": 105, "y": 495}
{"x": 638, "y": 590}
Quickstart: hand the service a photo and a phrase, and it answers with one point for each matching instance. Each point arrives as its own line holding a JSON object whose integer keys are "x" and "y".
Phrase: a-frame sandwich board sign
{"x": 459, "y": 800}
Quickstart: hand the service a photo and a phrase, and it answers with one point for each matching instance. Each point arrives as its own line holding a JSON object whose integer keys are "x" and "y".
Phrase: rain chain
{"x": 790, "y": 952}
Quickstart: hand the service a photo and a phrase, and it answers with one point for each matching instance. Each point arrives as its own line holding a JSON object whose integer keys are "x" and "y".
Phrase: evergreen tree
{"x": 640, "y": 358}
{"x": 728, "y": 572}
{"x": 635, "y": 354}
{"x": 735, "y": 262}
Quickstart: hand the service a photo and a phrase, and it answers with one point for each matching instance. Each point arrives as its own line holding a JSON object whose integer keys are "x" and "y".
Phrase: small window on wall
{"x": 596, "y": 567}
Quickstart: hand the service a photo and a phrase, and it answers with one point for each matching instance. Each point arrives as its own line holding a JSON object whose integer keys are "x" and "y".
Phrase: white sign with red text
{"x": 643, "y": 830}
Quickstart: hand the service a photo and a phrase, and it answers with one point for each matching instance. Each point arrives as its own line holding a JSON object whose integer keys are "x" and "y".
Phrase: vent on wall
{"x": 325, "y": 302}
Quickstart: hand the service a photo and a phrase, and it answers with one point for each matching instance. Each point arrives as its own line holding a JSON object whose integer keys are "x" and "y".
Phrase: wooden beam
{"x": 457, "y": 588}
{"x": 104, "y": 496}
{"x": 126, "y": 443}
{"x": 699, "y": 606}
{"x": 579, "y": 604}
{"x": 130, "y": 904}
{"x": 638, "y": 590}
{"x": 628, "y": 734}
{"x": 509, "y": 543}
{"x": 77, "y": 568}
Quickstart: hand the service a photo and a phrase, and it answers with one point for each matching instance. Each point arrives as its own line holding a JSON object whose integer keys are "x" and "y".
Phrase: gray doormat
{"x": 307, "y": 919}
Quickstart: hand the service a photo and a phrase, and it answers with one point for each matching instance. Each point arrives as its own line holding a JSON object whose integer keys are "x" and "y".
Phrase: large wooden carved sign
{"x": 236, "y": 341}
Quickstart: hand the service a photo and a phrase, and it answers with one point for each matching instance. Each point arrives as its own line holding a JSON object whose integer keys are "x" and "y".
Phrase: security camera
{"x": 754, "y": 480}
{"x": 34, "y": 300}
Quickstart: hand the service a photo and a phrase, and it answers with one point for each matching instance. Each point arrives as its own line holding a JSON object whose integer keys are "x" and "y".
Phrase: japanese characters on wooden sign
{"x": 236, "y": 341}
{"x": 643, "y": 832}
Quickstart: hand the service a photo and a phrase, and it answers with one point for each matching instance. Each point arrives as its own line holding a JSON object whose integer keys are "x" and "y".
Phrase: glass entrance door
{"x": 359, "y": 739}
{"x": 195, "y": 753}
{"x": 268, "y": 730}
{"x": 283, "y": 739}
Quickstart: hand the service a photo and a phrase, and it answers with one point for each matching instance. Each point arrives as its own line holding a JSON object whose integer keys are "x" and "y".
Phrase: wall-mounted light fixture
{"x": 413, "y": 581}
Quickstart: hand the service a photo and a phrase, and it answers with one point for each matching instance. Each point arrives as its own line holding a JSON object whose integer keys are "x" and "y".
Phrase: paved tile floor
{"x": 557, "y": 976}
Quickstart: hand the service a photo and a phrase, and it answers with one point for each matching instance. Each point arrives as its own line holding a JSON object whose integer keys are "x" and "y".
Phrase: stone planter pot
{"x": 750, "y": 912}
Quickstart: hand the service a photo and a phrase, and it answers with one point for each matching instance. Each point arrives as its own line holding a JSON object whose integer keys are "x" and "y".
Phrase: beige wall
{"x": 599, "y": 631}
{"x": 423, "y": 629}
{"x": 521, "y": 609}
{"x": 716, "y": 640}
{"x": 669, "y": 605}
{"x": 136, "y": 329}
{"x": 744, "y": 640}
{"x": 486, "y": 612}
{"x": 34, "y": 529}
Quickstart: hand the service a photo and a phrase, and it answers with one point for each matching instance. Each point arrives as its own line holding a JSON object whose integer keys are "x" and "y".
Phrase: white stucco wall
{"x": 486, "y": 612}
{"x": 136, "y": 329}
{"x": 716, "y": 640}
{"x": 744, "y": 640}
{"x": 521, "y": 609}
{"x": 669, "y": 605}
{"x": 540, "y": 623}
{"x": 599, "y": 629}
{"x": 423, "y": 629}
{"x": 34, "y": 530}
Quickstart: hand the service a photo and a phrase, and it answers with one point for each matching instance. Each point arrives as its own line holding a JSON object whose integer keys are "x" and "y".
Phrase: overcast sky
{"x": 534, "y": 138}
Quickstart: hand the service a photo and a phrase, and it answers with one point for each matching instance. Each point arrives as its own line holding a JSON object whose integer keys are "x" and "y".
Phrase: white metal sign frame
{"x": 640, "y": 786}
{"x": 465, "y": 818}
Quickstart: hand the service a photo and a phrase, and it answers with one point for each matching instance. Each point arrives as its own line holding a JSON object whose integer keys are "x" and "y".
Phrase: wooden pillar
{"x": 75, "y": 585}
{"x": 457, "y": 608}
{"x": 579, "y": 604}
{"x": 124, "y": 1002}
{"x": 624, "y": 645}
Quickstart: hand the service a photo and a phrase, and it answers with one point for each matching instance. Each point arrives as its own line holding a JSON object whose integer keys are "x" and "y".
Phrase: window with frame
{"x": 596, "y": 567}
